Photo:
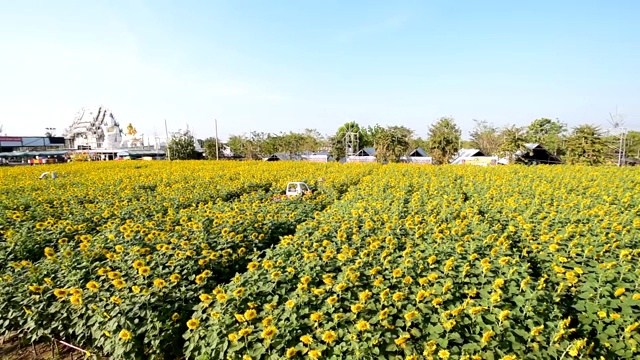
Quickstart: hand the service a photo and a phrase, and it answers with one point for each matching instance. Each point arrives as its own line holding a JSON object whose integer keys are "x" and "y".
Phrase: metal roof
{"x": 530, "y": 146}
{"x": 141, "y": 153}
{"x": 419, "y": 152}
{"x": 321, "y": 152}
{"x": 13, "y": 154}
{"x": 282, "y": 156}
{"x": 551, "y": 159}
{"x": 465, "y": 153}
{"x": 369, "y": 151}
{"x": 34, "y": 153}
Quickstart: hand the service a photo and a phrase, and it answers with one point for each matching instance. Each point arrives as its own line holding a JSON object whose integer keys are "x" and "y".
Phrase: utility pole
{"x": 217, "y": 156}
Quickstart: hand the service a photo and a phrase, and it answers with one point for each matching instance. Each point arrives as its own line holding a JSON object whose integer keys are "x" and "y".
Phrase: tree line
{"x": 583, "y": 144}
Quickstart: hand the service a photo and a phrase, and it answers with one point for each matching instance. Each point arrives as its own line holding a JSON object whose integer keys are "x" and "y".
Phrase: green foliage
{"x": 236, "y": 144}
{"x": 550, "y": 133}
{"x": 392, "y": 143}
{"x": 370, "y": 134}
{"x": 513, "y": 140}
{"x": 261, "y": 144}
{"x": 485, "y": 137}
{"x": 633, "y": 144}
{"x": 118, "y": 273}
{"x": 209, "y": 146}
{"x": 586, "y": 146}
{"x": 419, "y": 143}
{"x": 254, "y": 146}
{"x": 297, "y": 143}
{"x": 443, "y": 140}
{"x": 182, "y": 146}
{"x": 313, "y": 140}
{"x": 467, "y": 267}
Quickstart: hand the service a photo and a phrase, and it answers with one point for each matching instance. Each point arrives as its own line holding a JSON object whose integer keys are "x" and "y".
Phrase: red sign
{"x": 10, "y": 138}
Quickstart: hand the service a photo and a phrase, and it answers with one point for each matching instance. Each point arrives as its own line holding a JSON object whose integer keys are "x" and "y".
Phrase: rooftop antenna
{"x": 618, "y": 130}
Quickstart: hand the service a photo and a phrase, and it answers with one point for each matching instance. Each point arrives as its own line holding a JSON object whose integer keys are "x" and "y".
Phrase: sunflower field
{"x": 206, "y": 260}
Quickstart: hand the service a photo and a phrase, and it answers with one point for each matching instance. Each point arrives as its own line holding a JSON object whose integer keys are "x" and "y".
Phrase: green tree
{"x": 312, "y": 140}
{"x": 237, "y": 145}
{"x": 209, "y": 146}
{"x": 250, "y": 147}
{"x": 513, "y": 140}
{"x": 467, "y": 144}
{"x": 259, "y": 145}
{"x": 633, "y": 144}
{"x": 182, "y": 146}
{"x": 268, "y": 144}
{"x": 370, "y": 134}
{"x": 550, "y": 133}
{"x": 292, "y": 143}
{"x": 392, "y": 143}
{"x": 486, "y": 137}
{"x": 419, "y": 143}
{"x": 443, "y": 140}
{"x": 586, "y": 146}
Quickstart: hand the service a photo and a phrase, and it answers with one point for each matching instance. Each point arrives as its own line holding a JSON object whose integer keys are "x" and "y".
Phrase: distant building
{"x": 141, "y": 154}
{"x": 320, "y": 156}
{"x": 93, "y": 129}
{"x": 474, "y": 157}
{"x": 28, "y": 143}
{"x": 417, "y": 156}
{"x": 281, "y": 157}
{"x": 366, "y": 155}
{"x": 537, "y": 154}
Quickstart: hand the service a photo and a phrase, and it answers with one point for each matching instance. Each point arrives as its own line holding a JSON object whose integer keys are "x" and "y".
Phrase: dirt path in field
{"x": 11, "y": 349}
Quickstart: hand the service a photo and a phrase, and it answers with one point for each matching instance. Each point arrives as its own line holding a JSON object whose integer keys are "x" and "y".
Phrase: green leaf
{"x": 519, "y": 300}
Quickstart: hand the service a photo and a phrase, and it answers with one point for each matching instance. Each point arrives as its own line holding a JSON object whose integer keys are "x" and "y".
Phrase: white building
{"x": 474, "y": 157}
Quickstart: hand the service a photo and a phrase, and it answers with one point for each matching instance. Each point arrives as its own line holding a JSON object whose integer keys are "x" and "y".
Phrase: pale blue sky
{"x": 289, "y": 65}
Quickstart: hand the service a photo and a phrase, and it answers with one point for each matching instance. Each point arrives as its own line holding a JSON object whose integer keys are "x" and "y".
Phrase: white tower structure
{"x": 620, "y": 132}
{"x": 351, "y": 140}
{"x": 94, "y": 129}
